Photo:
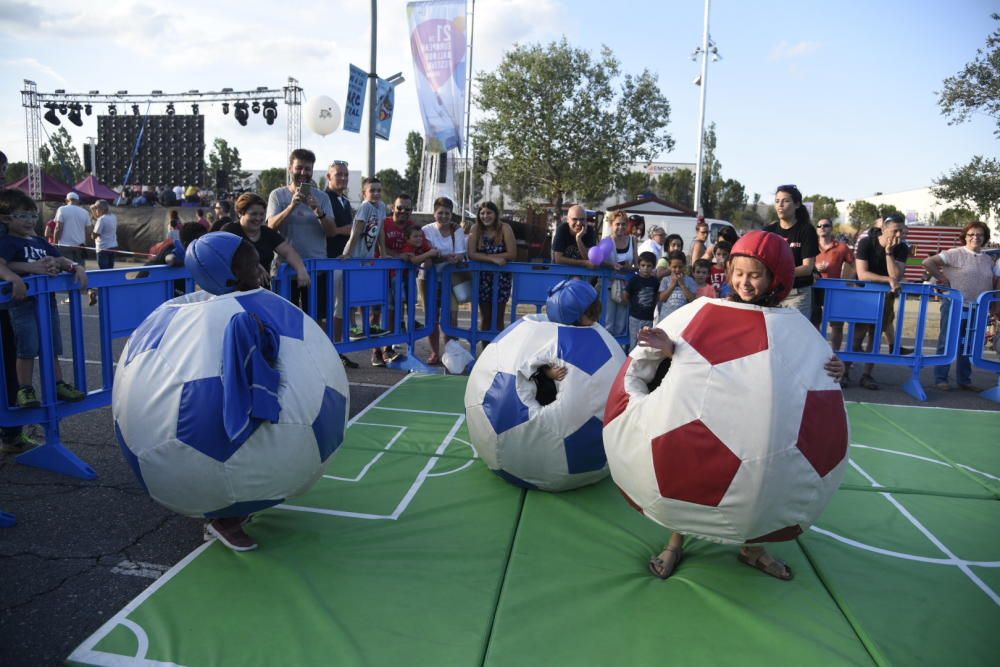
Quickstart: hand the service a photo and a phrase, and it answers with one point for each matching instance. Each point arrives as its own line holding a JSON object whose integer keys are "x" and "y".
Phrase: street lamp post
{"x": 707, "y": 46}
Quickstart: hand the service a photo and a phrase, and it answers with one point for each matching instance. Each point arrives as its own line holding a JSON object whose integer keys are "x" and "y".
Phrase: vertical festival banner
{"x": 355, "y": 106}
{"x": 385, "y": 100}
{"x": 437, "y": 40}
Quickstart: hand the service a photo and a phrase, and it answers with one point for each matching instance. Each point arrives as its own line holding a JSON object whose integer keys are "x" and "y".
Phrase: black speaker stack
{"x": 172, "y": 151}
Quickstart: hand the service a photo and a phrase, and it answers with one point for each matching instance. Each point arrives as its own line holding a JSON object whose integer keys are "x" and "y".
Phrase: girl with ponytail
{"x": 796, "y": 228}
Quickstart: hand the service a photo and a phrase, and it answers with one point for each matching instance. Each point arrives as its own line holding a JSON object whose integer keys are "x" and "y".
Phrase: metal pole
{"x": 372, "y": 86}
{"x": 698, "y": 181}
{"x": 466, "y": 185}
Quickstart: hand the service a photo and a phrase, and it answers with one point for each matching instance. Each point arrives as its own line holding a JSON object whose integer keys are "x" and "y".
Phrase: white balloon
{"x": 322, "y": 115}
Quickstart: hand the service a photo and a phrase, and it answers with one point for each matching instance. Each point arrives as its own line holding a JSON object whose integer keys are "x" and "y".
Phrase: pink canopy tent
{"x": 52, "y": 189}
{"x": 90, "y": 190}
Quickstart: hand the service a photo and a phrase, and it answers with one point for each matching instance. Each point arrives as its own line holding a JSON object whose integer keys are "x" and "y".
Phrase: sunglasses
{"x": 824, "y": 226}
{"x": 403, "y": 210}
{"x": 338, "y": 163}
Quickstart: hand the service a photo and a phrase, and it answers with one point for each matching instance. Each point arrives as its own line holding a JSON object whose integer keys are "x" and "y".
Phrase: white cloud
{"x": 28, "y": 65}
{"x": 785, "y": 51}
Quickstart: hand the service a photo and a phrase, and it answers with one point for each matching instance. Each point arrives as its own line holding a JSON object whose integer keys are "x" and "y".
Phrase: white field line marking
{"x": 922, "y": 407}
{"x": 371, "y": 385}
{"x": 927, "y": 459}
{"x": 400, "y": 430}
{"x": 900, "y": 555}
{"x": 423, "y": 412}
{"x": 960, "y": 564}
{"x": 141, "y": 638}
{"x": 140, "y": 568}
{"x": 407, "y": 497}
{"x": 85, "y": 652}
{"x": 461, "y": 467}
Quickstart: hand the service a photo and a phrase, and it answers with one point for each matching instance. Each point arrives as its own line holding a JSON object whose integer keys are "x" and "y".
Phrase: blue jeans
{"x": 963, "y": 364}
{"x": 25, "y": 322}
{"x": 616, "y": 321}
{"x": 105, "y": 259}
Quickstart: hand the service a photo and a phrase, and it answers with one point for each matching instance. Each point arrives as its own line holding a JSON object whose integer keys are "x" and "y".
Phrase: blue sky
{"x": 838, "y": 98}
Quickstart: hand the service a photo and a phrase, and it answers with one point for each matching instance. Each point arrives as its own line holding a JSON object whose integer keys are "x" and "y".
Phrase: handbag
{"x": 461, "y": 281}
{"x": 618, "y": 291}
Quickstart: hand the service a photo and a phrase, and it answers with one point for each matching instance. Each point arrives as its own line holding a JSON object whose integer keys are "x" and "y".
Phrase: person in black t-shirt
{"x": 252, "y": 211}
{"x": 573, "y": 239}
{"x": 873, "y": 263}
{"x": 795, "y": 227}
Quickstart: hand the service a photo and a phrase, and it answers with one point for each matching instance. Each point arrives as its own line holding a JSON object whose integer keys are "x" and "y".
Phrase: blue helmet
{"x": 209, "y": 258}
{"x": 568, "y": 300}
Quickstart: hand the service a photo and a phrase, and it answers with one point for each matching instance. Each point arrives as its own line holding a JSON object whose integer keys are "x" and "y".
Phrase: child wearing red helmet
{"x": 761, "y": 271}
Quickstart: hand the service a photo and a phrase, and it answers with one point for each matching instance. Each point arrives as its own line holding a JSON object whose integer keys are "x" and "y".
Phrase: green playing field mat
{"x": 410, "y": 552}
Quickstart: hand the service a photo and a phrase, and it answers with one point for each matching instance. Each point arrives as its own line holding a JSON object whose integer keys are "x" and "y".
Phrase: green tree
{"x": 270, "y": 179}
{"x": 392, "y": 184}
{"x": 631, "y": 184}
{"x": 975, "y": 185}
{"x": 677, "y": 187}
{"x": 887, "y": 209}
{"x": 16, "y": 171}
{"x": 414, "y": 155}
{"x": 711, "y": 170}
{"x": 823, "y": 207}
{"x": 730, "y": 201}
{"x": 60, "y": 159}
{"x": 556, "y": 123}
{"x": 226, "y": 159}
{"x": 862, "y": 214}
{"x": 977, "y": 87}
{"x": 956, "y": 216}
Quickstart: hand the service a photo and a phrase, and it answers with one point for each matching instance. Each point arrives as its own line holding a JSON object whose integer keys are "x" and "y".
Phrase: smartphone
{"x": 304, "y": 187}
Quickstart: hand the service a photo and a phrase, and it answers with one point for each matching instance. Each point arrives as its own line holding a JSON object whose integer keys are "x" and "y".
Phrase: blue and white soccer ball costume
{"x": 552, "y": 447}
{"x": 225, "y": 404}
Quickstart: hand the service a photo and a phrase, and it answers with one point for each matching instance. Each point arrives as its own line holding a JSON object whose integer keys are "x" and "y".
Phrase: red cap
{"x": 774, "y": 253}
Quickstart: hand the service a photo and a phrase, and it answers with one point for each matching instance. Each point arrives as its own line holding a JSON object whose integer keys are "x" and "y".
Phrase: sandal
{"x": 775, "y": 568}
{"x": 658, "y": 567}
{"x": 433, "y": 360}
{"x": 868, "y": 382}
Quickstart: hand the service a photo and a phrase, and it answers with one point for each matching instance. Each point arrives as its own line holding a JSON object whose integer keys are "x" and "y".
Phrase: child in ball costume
{"x": 572, "y": 302}
{"x": 760, "y": 272}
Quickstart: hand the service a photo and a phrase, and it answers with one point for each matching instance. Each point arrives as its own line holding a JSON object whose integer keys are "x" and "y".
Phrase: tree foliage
{"x": 977, "y": 87}
{"x": 631, "y": 184}
{"x": 975, "y": 185}
{"x": 956, "y": 216}
{"x": 862, "y": 214}
{"x": 557, "y": 123}
{"x": 392, "y": 184}
{"x": 226, "y": 159}
{"x": 823, "y": 207}
{"x": 677, "y": 187}
{"x": 270, "y": 179}
{"x": 414, "y": 155}
{"x": 60, "y": 159}
{"x": 16, "y": 171}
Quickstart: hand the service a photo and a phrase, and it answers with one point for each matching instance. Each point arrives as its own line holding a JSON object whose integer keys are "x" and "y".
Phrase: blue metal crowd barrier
{"x": 531, "y": 283}
{"x": 862, "y": 304}
{"x": 978, "y": 331}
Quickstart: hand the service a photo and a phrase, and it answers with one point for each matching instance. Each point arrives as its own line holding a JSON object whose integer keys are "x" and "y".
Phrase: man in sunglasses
{"x": 343, "y": 217}
{"x": 395, "y": 238}
{"x": 835, "y": 260}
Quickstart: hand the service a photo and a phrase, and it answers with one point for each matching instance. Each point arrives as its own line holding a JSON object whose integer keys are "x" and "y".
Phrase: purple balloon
{"x": 608, "y": 246}
{"x": 596, "y": 255}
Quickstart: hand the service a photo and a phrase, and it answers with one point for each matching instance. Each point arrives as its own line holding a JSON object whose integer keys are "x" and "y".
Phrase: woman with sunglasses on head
{"x": 795, "y": 227}
{"x": 449, "y": 240}
{"x": 492, "y": 240}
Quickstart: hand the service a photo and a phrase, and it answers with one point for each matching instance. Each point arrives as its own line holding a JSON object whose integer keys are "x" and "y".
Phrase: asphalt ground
{"x": 81, "y": 550}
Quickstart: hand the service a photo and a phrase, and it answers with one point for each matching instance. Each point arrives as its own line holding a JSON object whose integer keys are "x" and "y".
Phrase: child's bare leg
{"x": 25, "y": 369}
{"x": 666, "y": 562}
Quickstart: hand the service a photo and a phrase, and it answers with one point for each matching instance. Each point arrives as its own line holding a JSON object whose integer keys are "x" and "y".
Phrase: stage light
{"x": 240, "y": 111}
{"x": 170, "y": 109}
{"x": 270, "y": 111}
{"x": 95, "y": 92}
{"x": 74, "y": 114}
{"x": 227, "y": 90}
{"x": 63, "y": 108}
{"x": 194, "y": 109}
{"x": 225, "y": 107}
{"x": 60, "y": 91}
{"x": 157, "y": 92}
{"x": 135, "y": 109}
{"x": 112, "y": 110}
{"x": 122, "y": 92}
{"x": 50, "y": 115}
{"x": 256, "y": 107}
{"x": 88, "y": 109}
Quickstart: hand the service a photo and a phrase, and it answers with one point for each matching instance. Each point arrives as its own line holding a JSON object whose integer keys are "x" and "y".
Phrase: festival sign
{"x": 385, "y": 101}
{"x": 437, "y": 40}
{"x": 355, "y": 105}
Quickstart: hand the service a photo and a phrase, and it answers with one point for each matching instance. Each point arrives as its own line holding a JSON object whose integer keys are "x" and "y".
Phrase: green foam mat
{"x": 410, "y": 552}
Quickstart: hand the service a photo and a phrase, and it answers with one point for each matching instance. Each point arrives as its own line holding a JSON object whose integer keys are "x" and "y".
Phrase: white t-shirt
{"x": 455, "y": 244}
{"x": 106, "y": 232}
{"x": 649, "y": 245}
{"x": 75, "y": 221}
{"x": 971, "y": 273}
{"x": 368, "y": 222}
